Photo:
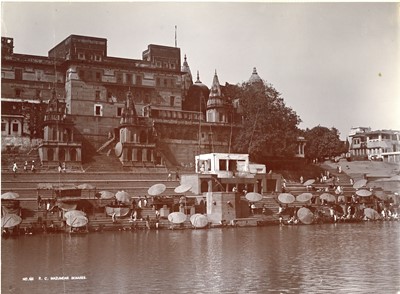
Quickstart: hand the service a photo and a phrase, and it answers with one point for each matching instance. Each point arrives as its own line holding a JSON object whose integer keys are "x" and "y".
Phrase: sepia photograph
{"x": 200, "y": 147}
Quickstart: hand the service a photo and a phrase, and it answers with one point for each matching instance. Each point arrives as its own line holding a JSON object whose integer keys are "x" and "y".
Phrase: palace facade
{"x": 146, "y": 112}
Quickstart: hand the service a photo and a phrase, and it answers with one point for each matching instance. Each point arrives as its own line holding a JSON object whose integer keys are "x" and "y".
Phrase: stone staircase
{"x": 7, "y": 161}
{"x": 103, "y": 162}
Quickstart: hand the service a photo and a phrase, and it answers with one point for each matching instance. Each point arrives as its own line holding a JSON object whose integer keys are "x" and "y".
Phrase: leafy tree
{"x": 323, "y": 142}
{"x": 269, "y": 126}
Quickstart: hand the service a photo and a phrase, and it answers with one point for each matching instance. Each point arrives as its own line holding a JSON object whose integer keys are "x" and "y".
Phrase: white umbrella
{"x": 371, "y": 214}
{"x": 182, "y": 189}
{"x": 253, "y": 197}
{"x": 9, "y": 195}
{"x": 308, "y": 182}
{"x": 73, "y": 213}
{"x": 360, "y": 183}
{"x": 286, "y": 198}
{"x": 156, "y": 189}
{"x": 199, "y": 220}
{"x": 305, "y": 215}
{"x": 77, "y": 221}
{"x": 86, "y": 186}
{"x": 10, "y": 220}
{"x": 328, "y": 197}
{"x": 304, "y": 197}
{"x": 363, "y": 193}
{"x": 106, "y": 194}
{"x": 177, "y": 217}
{"x": 123, "y": 196}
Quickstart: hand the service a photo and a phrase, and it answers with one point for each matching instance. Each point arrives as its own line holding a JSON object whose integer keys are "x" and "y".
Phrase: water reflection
{"x": 355, "y": 258}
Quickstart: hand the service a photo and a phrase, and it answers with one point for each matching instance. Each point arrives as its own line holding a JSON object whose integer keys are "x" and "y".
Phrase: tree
{"x": 323, "y": 142}
{"x": 269, "y": 126}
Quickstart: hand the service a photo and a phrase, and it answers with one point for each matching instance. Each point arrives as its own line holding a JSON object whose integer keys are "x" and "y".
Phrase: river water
{"x": 327, "y": 258}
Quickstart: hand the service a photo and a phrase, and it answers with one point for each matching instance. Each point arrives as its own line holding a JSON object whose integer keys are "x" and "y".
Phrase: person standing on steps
{"x": 15, "y": 169}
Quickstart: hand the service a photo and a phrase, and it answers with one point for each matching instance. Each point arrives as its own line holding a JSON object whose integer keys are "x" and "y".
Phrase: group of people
{"x": 27, "y": 167}
{"x": 169, "y": 176}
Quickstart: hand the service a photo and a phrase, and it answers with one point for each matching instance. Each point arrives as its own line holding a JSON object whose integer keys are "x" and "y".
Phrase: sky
{"x": 335, "y": 64}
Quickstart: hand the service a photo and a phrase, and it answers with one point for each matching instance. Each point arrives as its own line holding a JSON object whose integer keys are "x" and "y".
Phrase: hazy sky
{"x": 336, "y": 64}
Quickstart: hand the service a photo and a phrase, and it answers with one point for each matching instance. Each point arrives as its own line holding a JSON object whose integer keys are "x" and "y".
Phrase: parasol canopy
{"x": 182, "y": 189}
{"x": 156, "y": 189}
{"x": 106, "y": 195}
{"x": 74, "y": 213}
{"x": 119, "y": 211}
{"x": 10, "y": 220}
{"x": 199, "y": 220}
{"x": 305, "y": 215}
{"x": 328, "y": 197}
{"x": 9, "y": 195}
{"x": 363, "y": 193}
{"x": 77, "y": 221}
{"x": 359, "y": 184}
{"x": 253, "y": 196}
{"x": 308, "y": 182}
{"x": 123, "y": 196}
{"x": 381, "y": 195}
{"x": 67, "y": 206}
{"x": 177, "y": 217}
{"x": 86, "y": 186}
{"x": 304, "y": 197}
{"x": 286, "y": 198}
{"x": 371, "y": 214}
{"x": 45, "y": 186}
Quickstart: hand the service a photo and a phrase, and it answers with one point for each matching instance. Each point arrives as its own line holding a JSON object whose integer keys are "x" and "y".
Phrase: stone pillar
{"x": 78, "y": 154}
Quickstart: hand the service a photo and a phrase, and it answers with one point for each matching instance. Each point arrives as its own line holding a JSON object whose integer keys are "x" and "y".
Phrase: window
{"x": 97, "y": 95}
{"x": 98, "y": 110}
{"x": 171, "y": 100}
{"x": 119, "y": 78}
{"x": 81, "y": 56}
{"x": 18, "y": 93}
{"x": 98, "y": 76}
{"x": 158, "y": 64}
{"x": 15, "y": 127}
{"x": 165, "y": 82}
{"x": 138, "y": 80}
{"x": 119, "y": 111}
{"x": 172, "y": 65}
{"x": 3, "y": 126}
{"x": 18, "y": 74}
{"x": 158, "y": 82}
{"x": 128, "y": 78}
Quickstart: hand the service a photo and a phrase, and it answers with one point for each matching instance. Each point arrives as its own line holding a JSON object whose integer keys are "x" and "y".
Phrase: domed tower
{"x": 187, "y": 77}
{"x": 58, "y": 140}
{"x": 136, "y": 146}
{"x": 217, "y": 107}
{"x": 255, "y": 78}
{"x": 196, "y": 99}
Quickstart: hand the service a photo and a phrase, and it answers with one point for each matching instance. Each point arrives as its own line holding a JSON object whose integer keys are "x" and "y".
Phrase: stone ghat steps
{"x": 135, "y": 184}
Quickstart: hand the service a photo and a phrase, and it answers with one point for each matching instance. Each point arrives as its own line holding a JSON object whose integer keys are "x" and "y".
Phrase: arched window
{"x": 204, "y": 187}
{"x": 61, "y": 154}
{"x": 143, "y": 137}
{"x": 72, "y": 154}
{"x": 50, "y": 154}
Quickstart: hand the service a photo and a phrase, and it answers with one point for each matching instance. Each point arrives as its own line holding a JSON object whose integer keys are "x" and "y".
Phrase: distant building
{"x": 375, "y": 145}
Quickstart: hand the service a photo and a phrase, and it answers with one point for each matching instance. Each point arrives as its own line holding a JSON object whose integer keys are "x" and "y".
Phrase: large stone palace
{"x": 78, "y": 101}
